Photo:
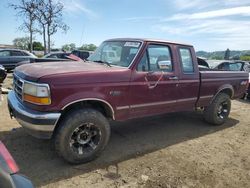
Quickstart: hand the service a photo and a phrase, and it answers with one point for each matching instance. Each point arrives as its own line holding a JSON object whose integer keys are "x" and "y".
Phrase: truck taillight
{"x": 8, "y": 159}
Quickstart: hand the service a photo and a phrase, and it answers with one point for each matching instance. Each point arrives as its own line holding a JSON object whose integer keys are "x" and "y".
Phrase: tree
{"x": 217, "y": 57}
{"x": 235, "y": 57}
{"x": 42, "y": 21}
{"x": 227, "y": 54}
{"x": 54, "y": 21}
{"x": 245, "y": 58}
{"x": 49, "y": 15}
{"x": 26, "y": 10}
{"x": 72, "y": 46}
{"x": 66, "y": 47}
{"x": 69, "y": 47}
{"x": 88, "y": 47}
{"x": 37, "y": 46}
{"x": 22, "y": 43}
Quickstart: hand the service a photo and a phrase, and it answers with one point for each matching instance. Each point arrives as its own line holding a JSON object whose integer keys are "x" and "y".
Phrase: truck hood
{"x": 35, "y": 71}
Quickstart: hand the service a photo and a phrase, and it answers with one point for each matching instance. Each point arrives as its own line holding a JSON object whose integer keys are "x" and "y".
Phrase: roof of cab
{"x": 148, "y": 40}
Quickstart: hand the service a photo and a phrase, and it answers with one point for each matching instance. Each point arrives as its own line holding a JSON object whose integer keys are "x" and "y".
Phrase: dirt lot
{"x": 174, "y": 150}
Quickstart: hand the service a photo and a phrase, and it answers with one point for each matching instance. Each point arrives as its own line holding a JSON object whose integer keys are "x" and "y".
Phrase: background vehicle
{"x": 73, "y": 102}
{"x": 248, "y": 90}
{"x": 82, "y": 54}
{"x": 236, "y": 65}
{"x": 227, "y": 65}
{"x": 9, "y": 176}
{"x": 10, "y": 57}
{"x": 3, "y": 74}
{"x": 70, "y": 58}
{"x": 247, "y": 69}
{"x": 59, "y": 55}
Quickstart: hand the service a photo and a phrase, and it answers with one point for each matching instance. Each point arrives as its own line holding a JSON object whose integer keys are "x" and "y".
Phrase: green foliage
{"x": 37, "y": 46}
{"x": 217, "y": 58}
{"x": 69, "y": 47}
{"x": 21, "y": 42}
{"x": 88, "y": 47}
{"x": 236, "y": 57}
{"x": 246, "y": 52}
{"x": 245, "y": 58}
{"x": 234, "y": 54}
{"x": 72, "y": 46}
{"x": 219, "y": 55}
{"x": 55, "y": 49}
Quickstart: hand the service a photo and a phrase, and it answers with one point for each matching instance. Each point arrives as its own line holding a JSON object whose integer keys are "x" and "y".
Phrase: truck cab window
{"x": 186, "y": 60}
{"x": 158, "y": 59}
{"x": 117, "y": 53}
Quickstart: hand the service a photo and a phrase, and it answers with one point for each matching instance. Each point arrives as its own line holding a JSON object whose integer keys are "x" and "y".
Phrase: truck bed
{"x": 211, "y": 82}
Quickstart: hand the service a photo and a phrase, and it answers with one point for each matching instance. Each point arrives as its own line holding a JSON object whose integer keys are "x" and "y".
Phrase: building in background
{"x": 3, "y": 46}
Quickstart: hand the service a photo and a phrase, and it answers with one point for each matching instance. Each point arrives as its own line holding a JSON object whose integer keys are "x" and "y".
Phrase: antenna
{"x": 81, "y": 43}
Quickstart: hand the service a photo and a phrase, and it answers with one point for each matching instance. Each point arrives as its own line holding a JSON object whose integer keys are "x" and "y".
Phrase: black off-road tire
{"x": 68, "y": 126}
{"x": 211, "y": 113}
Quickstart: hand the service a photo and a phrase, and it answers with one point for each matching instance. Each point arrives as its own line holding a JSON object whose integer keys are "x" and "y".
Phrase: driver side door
{"x": 153, "y": 84}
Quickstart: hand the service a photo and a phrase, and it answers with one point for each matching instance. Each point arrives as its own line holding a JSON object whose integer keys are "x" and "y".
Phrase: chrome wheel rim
{"x": 222, "y": 110}
{"x": 85, "y": 138}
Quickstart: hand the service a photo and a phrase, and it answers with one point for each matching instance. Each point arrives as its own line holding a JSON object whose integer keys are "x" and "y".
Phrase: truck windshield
{"x": 117, "y": 53}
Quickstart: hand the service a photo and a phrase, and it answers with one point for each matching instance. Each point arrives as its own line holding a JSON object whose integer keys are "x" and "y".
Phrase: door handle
{"x": 173, "y": 78}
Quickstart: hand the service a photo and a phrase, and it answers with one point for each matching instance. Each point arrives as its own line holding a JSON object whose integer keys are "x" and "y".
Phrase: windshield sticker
{"x": 132, "y": 44}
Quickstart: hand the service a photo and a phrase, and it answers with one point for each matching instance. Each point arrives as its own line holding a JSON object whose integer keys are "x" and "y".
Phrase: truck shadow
{"x": 246, "y": 101}
{"x": 38, "y": 160}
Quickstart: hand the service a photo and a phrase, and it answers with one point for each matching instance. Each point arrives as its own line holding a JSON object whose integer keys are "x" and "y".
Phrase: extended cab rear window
{"x": 186, "y": 60}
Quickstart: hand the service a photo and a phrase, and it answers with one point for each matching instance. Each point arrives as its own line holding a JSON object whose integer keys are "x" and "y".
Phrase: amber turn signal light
{"x": 37, "y": 100}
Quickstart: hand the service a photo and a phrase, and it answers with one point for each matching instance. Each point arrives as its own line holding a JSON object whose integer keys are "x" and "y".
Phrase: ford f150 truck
{"x": 74, "y": 102}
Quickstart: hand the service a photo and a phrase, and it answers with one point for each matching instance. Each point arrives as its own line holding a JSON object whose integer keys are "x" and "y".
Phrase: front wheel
{"x": 82, "y": 136}
{"x": 217, "y": 112}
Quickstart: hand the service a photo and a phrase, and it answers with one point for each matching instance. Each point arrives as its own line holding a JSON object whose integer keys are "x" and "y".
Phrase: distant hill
{"x": 221, "y": 54}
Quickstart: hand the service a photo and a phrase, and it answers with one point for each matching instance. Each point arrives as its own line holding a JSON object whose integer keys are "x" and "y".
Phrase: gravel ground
{"x": 173, "y": 150}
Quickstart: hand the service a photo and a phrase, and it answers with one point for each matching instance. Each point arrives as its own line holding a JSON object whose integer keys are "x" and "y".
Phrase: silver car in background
{"x": 9, "y": 58}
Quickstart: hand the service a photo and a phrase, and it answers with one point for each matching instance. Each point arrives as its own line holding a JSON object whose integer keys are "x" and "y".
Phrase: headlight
{"x": 36, "y": 93}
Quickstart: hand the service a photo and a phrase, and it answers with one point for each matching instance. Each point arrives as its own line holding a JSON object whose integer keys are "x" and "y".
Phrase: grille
{"x": 18, "y": 86}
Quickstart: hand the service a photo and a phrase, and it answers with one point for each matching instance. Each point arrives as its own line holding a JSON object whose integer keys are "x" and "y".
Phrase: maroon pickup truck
{"x": 124, "y": 79}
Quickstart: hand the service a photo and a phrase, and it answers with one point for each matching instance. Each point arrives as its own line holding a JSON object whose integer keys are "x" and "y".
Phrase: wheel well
{"x": 100, "y": 106}
{"x": 227, "y": 91}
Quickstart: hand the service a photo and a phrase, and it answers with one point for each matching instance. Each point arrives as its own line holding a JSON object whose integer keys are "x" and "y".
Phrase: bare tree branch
{"x": 26, "y": 10}
{"x": 49, "y": 15}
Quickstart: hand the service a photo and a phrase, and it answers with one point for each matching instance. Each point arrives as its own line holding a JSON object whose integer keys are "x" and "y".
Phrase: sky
{"x": 208, "y": 25}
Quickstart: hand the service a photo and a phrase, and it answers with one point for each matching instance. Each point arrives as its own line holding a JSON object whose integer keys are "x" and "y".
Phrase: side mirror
{"x": 164, "y": 65}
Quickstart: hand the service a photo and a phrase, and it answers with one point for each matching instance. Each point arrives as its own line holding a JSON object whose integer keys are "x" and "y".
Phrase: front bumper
{"x": 37, "y": 124}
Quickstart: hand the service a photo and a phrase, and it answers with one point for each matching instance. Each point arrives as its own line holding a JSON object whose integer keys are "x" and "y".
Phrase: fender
{"x": 92, "y": 99}
{"x": 220, "y": 89}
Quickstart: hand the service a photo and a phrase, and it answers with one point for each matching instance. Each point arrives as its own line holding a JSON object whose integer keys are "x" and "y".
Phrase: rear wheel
{"x": 217, "y": 112}
{"x": 82, "y": 136}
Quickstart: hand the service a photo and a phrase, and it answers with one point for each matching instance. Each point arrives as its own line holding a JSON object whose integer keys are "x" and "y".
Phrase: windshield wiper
{"x": 103, "y": 62}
